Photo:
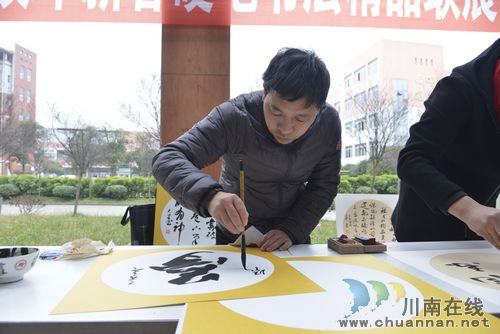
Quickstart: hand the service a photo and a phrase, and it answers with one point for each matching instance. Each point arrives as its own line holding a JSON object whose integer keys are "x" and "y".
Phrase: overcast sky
{"x": 91, "y": 68}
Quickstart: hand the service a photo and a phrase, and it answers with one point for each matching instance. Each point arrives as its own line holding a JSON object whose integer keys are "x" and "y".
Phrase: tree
{"x": 141, "y": 158}
{"x": 382, "y": 122}
{"x": 113, "y": 148}
{"x": 81, "y": 144}
{"x": 23, "y": 140}
{"x": 52, "y": 167}
{"x": 145, "y": 111}
{"x": 39, "y": 153}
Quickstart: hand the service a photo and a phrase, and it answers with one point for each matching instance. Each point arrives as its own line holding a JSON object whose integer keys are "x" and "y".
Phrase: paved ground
{"x": 92, "y": 210}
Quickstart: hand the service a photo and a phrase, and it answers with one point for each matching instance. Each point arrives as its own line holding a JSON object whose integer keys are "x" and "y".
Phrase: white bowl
{"x": 15, "y": 262}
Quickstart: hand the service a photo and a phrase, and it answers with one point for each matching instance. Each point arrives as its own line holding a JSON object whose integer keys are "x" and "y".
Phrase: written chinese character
{"x": 206, "y": 6}
{"x": 452, "y": 307}
{"x": 432, "y": 307}
{"x": 473, "y": 265}
{"x": 409, "y": 306}
{"x": 189, "y": 266}
{"x": 473, "y": 307}
{"x": 23, "y": 3}
{"x": 103, "y": 4}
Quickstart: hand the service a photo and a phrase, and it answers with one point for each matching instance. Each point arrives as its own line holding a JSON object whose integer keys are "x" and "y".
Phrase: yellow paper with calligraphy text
{"x": 127, "y": 279}
{"x": 362, "y": 294}
{"x": 177, "y": 225}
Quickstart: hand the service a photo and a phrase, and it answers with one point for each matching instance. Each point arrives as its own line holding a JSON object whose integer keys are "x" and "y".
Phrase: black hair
{"x": 297, "y": 73}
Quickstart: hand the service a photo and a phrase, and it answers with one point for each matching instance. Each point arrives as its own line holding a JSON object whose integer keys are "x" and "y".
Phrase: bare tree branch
{"x": 145, "y": 112}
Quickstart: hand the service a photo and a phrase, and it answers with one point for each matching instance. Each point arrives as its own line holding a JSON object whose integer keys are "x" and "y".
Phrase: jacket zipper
{"x": 287, "y": 174}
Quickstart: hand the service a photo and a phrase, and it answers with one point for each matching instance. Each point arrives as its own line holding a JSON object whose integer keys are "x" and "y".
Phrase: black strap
{"x": 126, "y": 217}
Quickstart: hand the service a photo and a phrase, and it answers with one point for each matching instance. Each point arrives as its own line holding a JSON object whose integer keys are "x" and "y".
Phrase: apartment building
{"x": 381, "y": 94}
{"x": 17, "y": 92}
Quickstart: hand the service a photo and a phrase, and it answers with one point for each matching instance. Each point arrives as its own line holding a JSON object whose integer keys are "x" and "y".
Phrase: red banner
{"x": 466, "y": 15}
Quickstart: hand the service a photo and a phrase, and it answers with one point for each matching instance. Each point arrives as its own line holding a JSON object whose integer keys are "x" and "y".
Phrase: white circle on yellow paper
{"x": 135, "y": 275}
{"x": 326, "y": 310}
{"x": 369, "y": 217}
{"x": 181, "y": 226}
{"x": 461, "y": 266}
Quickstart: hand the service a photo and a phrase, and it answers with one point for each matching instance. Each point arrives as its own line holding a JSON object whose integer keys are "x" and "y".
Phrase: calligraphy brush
{"x": 242, "y": 196}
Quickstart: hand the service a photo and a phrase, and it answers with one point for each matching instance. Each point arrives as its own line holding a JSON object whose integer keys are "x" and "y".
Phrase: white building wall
{"x": 420, "y": 66}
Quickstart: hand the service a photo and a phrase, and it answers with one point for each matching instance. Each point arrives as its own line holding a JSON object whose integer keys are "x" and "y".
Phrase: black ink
{"x": 189, "y": 266}
{"x": 473, "y": 265}
{"x": 132, "y": 278}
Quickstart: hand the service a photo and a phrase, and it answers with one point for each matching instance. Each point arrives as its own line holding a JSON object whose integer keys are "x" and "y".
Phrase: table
{"x": 25, "y": 305}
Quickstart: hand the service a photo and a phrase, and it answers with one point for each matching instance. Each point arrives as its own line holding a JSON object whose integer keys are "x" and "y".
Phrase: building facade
{"x": 17, "y": 93}
{"x": 381, "y": 94}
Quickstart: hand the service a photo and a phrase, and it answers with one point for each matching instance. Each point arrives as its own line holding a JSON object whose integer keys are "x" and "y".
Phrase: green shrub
{"x": 116, "y": 191}
{"x": 27, "y": 184}
{"x": 345, "y": 186}
{"x": 64, "y": 191}
{"x": 363, "y": 190}
{"x": 99, "y": 186}
{"x": 9, "y": 190}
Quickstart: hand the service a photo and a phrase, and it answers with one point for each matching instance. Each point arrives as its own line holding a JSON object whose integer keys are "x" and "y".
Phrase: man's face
{"x": 287, "y": 120}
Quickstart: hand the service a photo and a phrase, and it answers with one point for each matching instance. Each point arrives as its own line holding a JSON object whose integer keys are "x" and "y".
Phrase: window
{"x": 360, "y": 150}
{"x": 359, "y": 74}
{"x": 359, "y": 125}
{"x": 21, "y": 94}
{"x": 373, "y": 93}
{"x": 20, "y": 114}
{"x": 348, "y": 81}
{"x": 348, "y": 104}
{"x": 29, "y": 75}
{"x": 373, "y": 67}
{"x": 21, "y": 72}
{"x": 400, "y": 87}
{"x": 348, "y": 151}
{"x": 360, "y": 100}
{"x": 28, "y": 115}
{"x": 373, "y": 121}
{"x": 348, "y": 128}
{"x": 28, "y": 96}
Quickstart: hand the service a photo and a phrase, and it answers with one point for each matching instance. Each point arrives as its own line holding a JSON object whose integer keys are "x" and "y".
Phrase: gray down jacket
{"x": 287, "y": 187}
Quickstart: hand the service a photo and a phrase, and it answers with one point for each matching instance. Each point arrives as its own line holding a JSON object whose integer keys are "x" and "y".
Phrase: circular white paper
{"x": 136, "y": 275}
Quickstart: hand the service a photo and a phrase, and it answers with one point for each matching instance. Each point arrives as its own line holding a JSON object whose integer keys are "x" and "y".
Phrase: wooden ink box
{"x": 345, "y": 245}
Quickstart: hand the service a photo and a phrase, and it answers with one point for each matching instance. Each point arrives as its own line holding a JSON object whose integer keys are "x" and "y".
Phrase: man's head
{"x": 296, "y": 85}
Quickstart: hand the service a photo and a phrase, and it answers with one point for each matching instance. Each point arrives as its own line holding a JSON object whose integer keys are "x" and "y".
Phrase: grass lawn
{"x": 32, "y": 230}
{"x": 325, "y": 229}
{"x": 41, "y": 230}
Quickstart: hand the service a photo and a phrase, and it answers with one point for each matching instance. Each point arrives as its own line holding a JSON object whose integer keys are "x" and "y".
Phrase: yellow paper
{"x": 108, "y": 285}
{"x": 317, "y": 312}
{"x": 162, "y": 198}
{"x": 176, "y": 225}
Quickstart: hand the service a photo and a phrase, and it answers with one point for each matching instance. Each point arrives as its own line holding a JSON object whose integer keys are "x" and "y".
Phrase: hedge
{"x": 384, "y": 184}
{"x": 44, "y": 186}
{"x": 138, "y": 186}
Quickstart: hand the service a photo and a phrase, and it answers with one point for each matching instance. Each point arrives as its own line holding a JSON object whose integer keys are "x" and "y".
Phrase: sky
{"x": 90, "y": 69}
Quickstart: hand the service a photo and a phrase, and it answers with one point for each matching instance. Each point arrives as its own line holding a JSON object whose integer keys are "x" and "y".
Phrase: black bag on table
{"x": 142, "y": 222}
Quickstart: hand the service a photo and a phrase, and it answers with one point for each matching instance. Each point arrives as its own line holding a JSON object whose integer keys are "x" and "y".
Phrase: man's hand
{"x": 229, "y": 210}
{"x": 483, "y": 220}
{"x": 275, "y": 239}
